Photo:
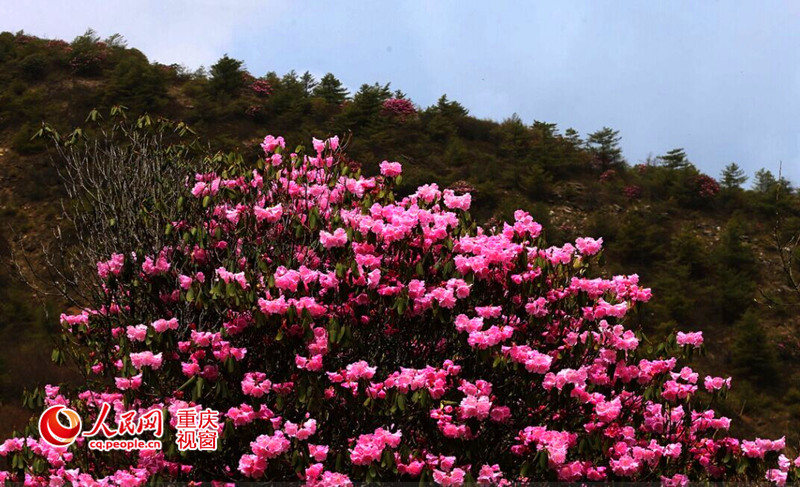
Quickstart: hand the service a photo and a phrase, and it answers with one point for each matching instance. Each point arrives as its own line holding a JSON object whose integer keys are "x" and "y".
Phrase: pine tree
{"x": 309, "y": 83}
{"x": 516, "y": 137}
{"x": 544, "y": 129}
{"x": 227, "y": 76}
{"x": 450, "y": 109}
{"x": 116, "y": 41}
{"x": 372, "y": 96}
{"x": 367, "y": 103}
{"x": 732, "y": 176}
{"x": 675, "y": 159}
{"x": 752, "y": 353}
{"x": 736, "y": 272}
{"x": 331, "y": 90}
{"x": 573, "y": 137}
{"x": 293, "y": 87}
{"x": 136, "y": 84}
{"x": 604, "y": 145}
{"x": 764, "y": 180}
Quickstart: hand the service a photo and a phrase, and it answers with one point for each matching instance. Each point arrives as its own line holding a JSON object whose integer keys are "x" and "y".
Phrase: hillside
{"x": 706, "y": 247}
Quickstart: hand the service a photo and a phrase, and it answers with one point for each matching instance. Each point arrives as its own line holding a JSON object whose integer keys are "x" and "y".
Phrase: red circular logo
{"x": 53, "y": 431}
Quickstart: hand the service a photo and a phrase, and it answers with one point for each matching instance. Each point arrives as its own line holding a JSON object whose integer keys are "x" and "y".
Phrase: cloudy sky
{"x": 721, "y": 79}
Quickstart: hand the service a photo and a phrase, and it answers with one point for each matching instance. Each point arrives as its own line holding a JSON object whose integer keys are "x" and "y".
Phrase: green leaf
{"x": 198, "y": 388}
{"x": 740, "y": 469}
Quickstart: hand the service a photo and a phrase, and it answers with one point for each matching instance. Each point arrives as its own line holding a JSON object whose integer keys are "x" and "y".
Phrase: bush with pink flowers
{"x": 707, "y": 187}
{"x": 261, "y": 87}
{"x": 632, "y": 192}
{"x": 399, "y": 107}
{"x": 347, "y": 334}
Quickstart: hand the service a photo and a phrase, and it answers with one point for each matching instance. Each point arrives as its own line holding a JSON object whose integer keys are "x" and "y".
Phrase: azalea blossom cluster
{"x": 348, "y": 334}
{"x": 707, "y": 186}
{"x": 261, "y": 87}
{"x": 399, "y": 107}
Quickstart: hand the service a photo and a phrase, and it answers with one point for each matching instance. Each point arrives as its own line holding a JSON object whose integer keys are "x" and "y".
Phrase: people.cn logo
{"x": 56, "y": 433}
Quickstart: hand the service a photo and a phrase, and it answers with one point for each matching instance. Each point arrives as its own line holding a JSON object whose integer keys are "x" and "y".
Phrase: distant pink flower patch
{"x": 399, "y": 107}
{"x": 261, "y": 87}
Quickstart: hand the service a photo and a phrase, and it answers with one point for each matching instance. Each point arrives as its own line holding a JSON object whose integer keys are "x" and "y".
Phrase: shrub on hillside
{"x": 399, "y": 107}
{"x": 25, "y": 143}
{"x": 751, "y": 353}
{"x": 34, "y": 66}
{"x": 136, "y": 84}
{"x": 347, "y": 334}
{"x": 261, "y": 87}
{"x": 88, "y": 54}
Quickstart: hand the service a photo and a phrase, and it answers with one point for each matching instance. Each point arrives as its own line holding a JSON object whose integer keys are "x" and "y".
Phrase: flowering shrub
{"x": 399, "y": 107}
{"x": 632, "y": 192}
{"x": 349, "y": 335}
{"x": 86, "y": 62}
{"x": 87, "y": 55}
{"x": 608, "y": 175}
{"x": 58, "y": 44}
{"x": 261, "y": 87}
{"x": 707, "y": 187}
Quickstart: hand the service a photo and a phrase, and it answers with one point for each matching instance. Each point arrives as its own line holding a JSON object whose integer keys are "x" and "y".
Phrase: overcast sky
{"x": 720, "y": 79}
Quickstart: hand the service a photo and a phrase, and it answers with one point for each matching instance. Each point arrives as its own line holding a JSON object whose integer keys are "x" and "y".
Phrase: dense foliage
{"x": 708, "y": 250}
{"x": 349, "y": 334}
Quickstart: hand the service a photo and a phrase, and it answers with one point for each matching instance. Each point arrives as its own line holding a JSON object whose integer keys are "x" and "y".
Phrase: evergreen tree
{"x": 88, "y": 39}
{"x": 735, "y": 272}
{"x": 227, "y": 76}
{"x": 293, "y": 87}
{"x": 573, "y": 137}
{"x": 544, "y": 129}
{"x": 752, "y": 353}
{"x": 309, "y": 83}
{"x": 136, "y": 84}
{"x": 515, "y": 137}
{"x": 367, "y": 103}
{"x": 450, "y": 109}
{"x": 764, "y": 180}
{"x": 733, "y": 176}
{"x": 604, "y": 145}
{"x": 675, "y": 159}
{"x": 116, "y": 41}
{"x": 331, "y": 90}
